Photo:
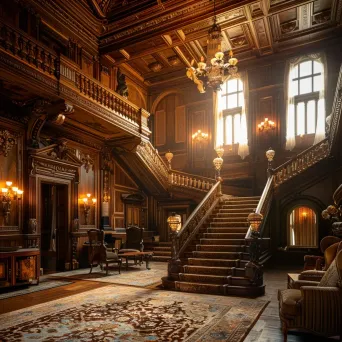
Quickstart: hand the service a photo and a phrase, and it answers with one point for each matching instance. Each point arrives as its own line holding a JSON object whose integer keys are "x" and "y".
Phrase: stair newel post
{"x": 253, "y": 269}
{"x": 218, "y": 161}
{"x": 270, "y": 155}
{"x": 175, "y": 223}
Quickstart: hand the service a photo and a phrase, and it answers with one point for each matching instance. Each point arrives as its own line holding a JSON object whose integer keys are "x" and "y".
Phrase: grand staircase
{"x": 214, "y": 263}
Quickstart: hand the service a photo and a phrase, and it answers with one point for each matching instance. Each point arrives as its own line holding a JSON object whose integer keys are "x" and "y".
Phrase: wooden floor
{"x": 267, "y": 328}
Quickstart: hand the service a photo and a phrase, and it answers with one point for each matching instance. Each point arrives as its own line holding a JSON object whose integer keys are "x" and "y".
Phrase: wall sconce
{"x": 7, "y": 195}
{"x": 266, "y": 125}
{"x": 304, "y": 215}
{"x": 87, "y": 206}
{"x": 199, "y": 136}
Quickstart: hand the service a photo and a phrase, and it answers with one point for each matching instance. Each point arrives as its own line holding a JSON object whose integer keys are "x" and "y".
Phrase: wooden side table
{"x": 146, "y": 256}
{"x": 19, "y": 267}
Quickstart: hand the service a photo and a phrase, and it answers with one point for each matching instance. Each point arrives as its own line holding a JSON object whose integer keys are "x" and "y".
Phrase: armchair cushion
{"x": 127, "y": 250}
{"x": 331, "y": 277}
{"x": 289, "y": 301}
{"x": 313, "y": 275}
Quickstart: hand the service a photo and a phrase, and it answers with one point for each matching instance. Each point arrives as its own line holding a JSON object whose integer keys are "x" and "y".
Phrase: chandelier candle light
{"x": 218, "y": 161}
{"x": 211, "y": 73}
{"x": 175, "y": 224}
{"x": 199, "y": 136}
{"x": 7, "y": 195}
{"x": 169, "y": 156}
{"x": 87, "y": 206}
{"x": 266, "y": 125}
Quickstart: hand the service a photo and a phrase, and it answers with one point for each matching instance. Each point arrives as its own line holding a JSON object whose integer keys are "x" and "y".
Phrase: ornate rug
{"x": 43, "y": 285}
{"x": 135, "y": 276}
{"x": 117, "y": 313}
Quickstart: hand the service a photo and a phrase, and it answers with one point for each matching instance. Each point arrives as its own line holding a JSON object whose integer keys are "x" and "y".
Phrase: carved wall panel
{"x": 160, "y": 127}
{"x": 11, "y": 161}
{"x": 180, "y": 125}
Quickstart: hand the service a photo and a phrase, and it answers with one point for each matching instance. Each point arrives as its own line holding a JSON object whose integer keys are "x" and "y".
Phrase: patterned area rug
{"x": 43, "y": 285}
{"x": 135, "y": 276}
{"x": 118, "y": 313}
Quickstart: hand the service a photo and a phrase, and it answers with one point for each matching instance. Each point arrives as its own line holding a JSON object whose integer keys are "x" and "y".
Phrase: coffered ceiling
{"x": 158, "y": 37}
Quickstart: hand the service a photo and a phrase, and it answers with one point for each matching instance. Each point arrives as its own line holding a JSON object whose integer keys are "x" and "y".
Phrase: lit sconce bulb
{"x": 15, "y": 189}
{"x": 20, "y": 192}
{"x": 85, "y": 200}
{"x": 88, "y": 195}
{"x": 305, "y": 214}
{"x": 94, "y": 200}
{"x": 219, "y": 55}
{"x": 4, "y": 190}
{"x": 8, "y": 183}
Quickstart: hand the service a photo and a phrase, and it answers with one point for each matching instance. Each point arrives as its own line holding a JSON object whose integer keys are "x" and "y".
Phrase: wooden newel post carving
{"x": 253, "y": 269}
{"x": 175, "y": 222}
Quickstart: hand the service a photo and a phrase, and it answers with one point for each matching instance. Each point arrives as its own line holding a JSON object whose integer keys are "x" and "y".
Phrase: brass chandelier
{"x": 211, "y": 74}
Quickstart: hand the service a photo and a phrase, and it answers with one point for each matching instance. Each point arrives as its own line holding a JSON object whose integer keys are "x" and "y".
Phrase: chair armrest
{"x": 299, "y": 283}
{"x": 324, "y": 301}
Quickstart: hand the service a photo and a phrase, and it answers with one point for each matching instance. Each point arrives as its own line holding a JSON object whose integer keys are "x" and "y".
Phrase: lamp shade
{"x": 254, "y": 220}
{"x": 270, "y": 154}
{"x": 175, "y": 222}
{"x": 332, "y": 210}
{"x": 218, "y": 161}
{"x": 169, "y": 156}
{"x": 219, "y": 150}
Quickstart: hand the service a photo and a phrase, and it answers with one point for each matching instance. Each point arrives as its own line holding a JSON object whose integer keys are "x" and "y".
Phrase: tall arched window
{"x": 302, "y": 227}
{"x": 231, "y": 123}
{"x": 306, "y": 103}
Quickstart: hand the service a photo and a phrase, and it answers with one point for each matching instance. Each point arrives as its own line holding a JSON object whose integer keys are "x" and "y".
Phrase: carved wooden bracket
{"x": 87, "y": 162}
{"x": 7, "y": 141}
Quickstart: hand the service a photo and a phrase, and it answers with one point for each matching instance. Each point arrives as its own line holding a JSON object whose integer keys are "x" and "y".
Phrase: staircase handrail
{"x": 264, "y": 204}
{"x": 190, "y": 228}
{"x": 151, "y": 157}
{"x": 301, "y": 162}
{"x": 335, "y": 120}
{"x": 188, "y": 180}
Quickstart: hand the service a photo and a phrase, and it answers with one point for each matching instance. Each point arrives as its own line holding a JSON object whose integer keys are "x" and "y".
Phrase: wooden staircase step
{"x": 239, "y": 281}
{"x": 221, "y": 248}
{"x": 214, "y": 270}
{"x": 163, "y": 253}
{"x": 224, "y": 231}
{"x": 229, "y": 219}
{"x": 230, "y": 224}
{"x": 203, "y": 278}
{"x": 166, "y": 249}
{"x": 214, "y": 262}
{"x": 216, "y": 255}
{"x": 240, "y": 242}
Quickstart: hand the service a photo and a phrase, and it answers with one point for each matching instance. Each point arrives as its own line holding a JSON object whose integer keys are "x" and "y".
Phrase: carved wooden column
{"x": 106, "y": 171}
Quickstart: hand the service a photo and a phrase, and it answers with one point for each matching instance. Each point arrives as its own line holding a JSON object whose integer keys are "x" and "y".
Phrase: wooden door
{"x": 62, "y": 238}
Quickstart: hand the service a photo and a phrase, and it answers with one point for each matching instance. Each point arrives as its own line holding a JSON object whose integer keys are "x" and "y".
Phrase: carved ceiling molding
{"x": 160, "y": 19}
{"x": 71, "y": 22}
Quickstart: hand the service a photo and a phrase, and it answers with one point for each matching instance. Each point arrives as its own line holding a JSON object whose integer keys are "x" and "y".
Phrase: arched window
{"x": 302, "y": 227}
{"x": 306, "y": 104}
{"x": 231, "y": 124}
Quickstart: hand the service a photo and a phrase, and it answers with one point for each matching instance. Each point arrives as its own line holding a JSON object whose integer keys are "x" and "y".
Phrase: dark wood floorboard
{"x": 39, "y": 297}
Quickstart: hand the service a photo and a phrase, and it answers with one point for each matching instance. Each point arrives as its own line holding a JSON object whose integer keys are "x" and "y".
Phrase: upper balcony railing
{"x": 34, "y": 53}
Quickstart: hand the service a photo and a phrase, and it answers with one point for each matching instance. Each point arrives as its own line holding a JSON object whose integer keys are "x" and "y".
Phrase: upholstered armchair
{"x": 134, "y": 240}
{"x": 316, "y": 309}
{"x": 98, "y": 253}
{"x": 315, "y": 266}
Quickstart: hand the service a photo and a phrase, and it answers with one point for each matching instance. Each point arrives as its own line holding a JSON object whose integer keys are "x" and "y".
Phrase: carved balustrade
{"x": 187, "y": 180}
{"x": 197, "y": 218}
{"x": 301, "y": 162}
{"x": 29, "y": 50}
{"x": 98, "y": 92}
{"x": 63, "y": 71}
